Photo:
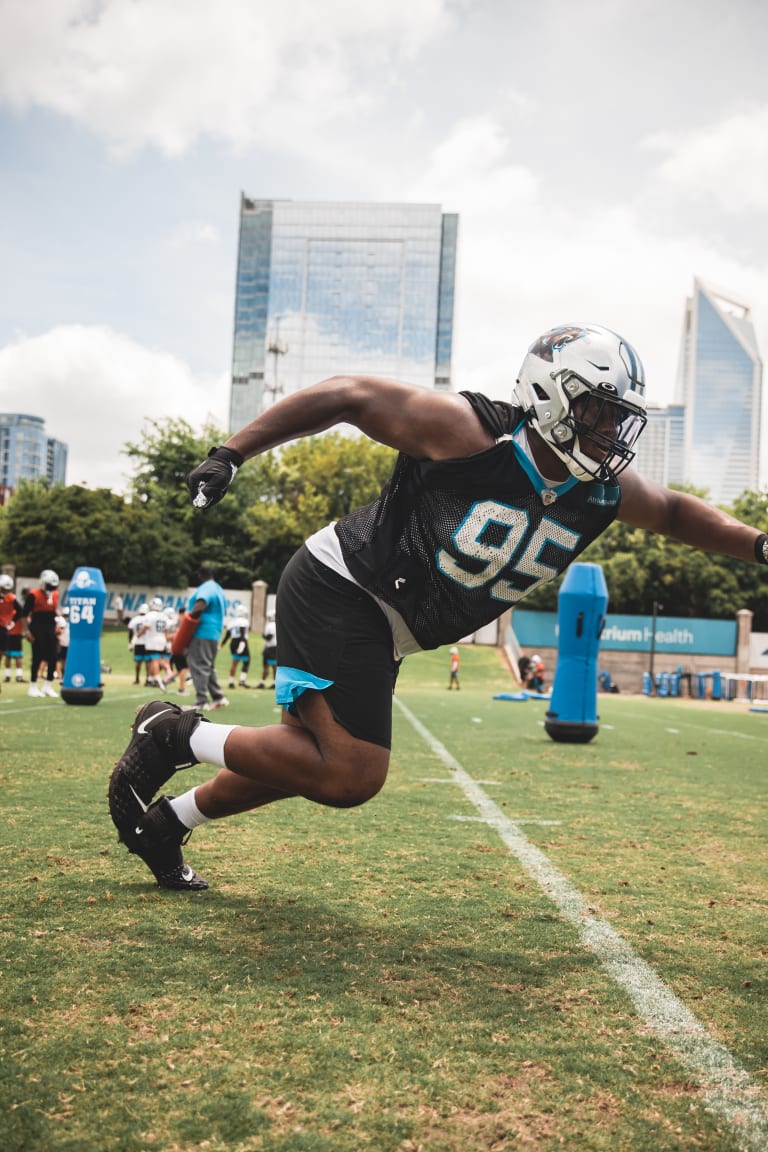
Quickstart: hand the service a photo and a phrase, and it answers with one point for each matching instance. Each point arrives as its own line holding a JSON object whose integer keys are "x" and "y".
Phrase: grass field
{"x": 482, "y": 958}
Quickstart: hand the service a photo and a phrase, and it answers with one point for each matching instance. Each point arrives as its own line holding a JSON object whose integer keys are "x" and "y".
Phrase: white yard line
{"x": 32, "y": 706}
{"x": 727, "y": 1089}
{"x": 701, "y": 728}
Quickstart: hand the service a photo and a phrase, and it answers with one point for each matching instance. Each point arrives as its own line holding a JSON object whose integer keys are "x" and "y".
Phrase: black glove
{"x": 209, "y": 481}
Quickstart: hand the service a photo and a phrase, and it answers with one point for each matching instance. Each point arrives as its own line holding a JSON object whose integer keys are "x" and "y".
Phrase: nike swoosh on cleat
{"x": 142, "y": 728}
{"x": 186, "y": 872}
{"x": 138, "y": 830}
{"x": 139, "y": 800}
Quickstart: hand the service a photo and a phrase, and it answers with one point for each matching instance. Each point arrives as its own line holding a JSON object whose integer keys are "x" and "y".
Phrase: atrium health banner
{"x": 633, "y": 633}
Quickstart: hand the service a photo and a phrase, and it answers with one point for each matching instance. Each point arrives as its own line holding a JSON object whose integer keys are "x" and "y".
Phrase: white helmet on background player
{"x": 6, "y": 583}
{"x": 49, "y": 578}
{"x": 241, "y": 611}
{"x": 582, "y": 388}
{"x": 156, "y": 604}
{"x": 143, "y": 609}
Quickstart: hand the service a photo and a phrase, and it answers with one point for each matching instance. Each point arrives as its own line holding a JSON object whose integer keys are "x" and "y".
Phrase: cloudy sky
{"x": 600, "y": 153}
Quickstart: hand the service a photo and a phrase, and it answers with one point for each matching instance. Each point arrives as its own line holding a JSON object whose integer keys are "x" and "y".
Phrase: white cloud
{"x": 358, "y": 97}
{"x": 192, "y": 233}
{"x": 725, "y": 163}
{"x": 529, "y": 261}
{"x": 167, "y": 72}
{"x": 95, "y": 388}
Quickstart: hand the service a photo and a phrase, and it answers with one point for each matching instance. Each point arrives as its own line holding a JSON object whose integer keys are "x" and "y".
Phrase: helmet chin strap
{"x": 576, "y": 469}
{"x": 552, "y": 462}
{"x": 549, "y": 458}
{"x": 601, "y": 472}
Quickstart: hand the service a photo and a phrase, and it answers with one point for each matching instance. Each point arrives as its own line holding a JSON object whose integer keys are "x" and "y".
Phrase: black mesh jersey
{"x": 451, "y": 544}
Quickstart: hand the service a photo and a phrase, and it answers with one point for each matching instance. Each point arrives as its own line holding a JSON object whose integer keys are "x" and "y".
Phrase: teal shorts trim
{"x": 290, "y": 683}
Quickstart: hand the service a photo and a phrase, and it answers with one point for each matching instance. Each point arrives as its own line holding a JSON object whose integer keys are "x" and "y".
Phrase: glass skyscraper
{"x": 660, "y": 447}
{"x": 27, "y": 452}
{"x": 721, "y": 384}
{"x": 326, "y": 288}
{"x": 710, "y": 437}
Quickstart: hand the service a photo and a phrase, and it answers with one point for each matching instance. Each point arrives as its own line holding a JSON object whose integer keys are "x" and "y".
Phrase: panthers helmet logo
{"x": 551, "y": 342}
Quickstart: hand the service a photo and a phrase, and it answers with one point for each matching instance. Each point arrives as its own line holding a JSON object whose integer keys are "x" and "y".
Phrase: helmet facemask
{"x": 596, "y": 436}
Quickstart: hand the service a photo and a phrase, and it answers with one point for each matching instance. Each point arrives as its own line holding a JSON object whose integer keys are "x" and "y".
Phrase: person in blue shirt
{"x": 207, "y": 605}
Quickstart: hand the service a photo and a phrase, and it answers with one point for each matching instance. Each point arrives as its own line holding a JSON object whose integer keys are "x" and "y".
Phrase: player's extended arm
{"x": 684, "y": 517}
{"x": 420, "y": 422}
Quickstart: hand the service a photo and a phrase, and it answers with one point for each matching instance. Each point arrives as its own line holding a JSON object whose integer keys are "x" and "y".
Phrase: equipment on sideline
{"x": 581, "y": 606}
{"x": 184, "y": 634}
{"x": 86, "y": 600}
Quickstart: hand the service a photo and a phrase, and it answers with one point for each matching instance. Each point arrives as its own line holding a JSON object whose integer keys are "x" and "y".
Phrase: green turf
{"x": 385, "y": 977}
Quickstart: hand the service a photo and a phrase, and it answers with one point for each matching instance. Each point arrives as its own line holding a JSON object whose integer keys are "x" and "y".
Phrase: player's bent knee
{"x": 353, "y": 785}
{"x": 352, "y": 799}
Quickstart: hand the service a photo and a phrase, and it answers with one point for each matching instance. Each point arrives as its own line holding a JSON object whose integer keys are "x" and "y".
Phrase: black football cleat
{"x": 158, "y": 748}
{"x": 157, "y": 838}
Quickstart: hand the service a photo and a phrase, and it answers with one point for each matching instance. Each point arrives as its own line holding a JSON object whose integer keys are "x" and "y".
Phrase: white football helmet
{"x": 156, "y": 604}
{"x": 582, "y": 388}
{"x": 241, "y": 611}
{"x": 6, "y": 583}
{"x": 49, "y": 578}
{"x": 143, "y": 609}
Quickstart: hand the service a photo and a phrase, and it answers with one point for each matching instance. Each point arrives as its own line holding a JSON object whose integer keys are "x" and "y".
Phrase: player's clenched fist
{"x": 209, "y": 481}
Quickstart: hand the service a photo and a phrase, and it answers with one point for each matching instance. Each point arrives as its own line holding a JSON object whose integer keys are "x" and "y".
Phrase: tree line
{"x": 152, "y": 535}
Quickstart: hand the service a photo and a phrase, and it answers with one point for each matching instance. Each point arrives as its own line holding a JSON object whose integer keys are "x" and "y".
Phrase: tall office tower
{"x": 720, "y": 384}
{"x": 325, "y": 288}
{"x": 27, "y": 452}
{"x": 660, "y": 447}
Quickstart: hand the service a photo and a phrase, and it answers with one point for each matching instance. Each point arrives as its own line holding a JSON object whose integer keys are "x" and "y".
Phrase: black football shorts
{"x": 332, "y": 637}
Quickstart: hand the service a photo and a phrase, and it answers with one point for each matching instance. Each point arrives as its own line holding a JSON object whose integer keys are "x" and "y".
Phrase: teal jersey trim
{"x": 533, "y": 475}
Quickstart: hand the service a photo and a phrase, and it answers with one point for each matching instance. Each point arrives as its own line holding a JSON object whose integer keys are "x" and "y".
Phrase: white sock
{"x": 187, "y": 810}
{"x": 207, "y": 743}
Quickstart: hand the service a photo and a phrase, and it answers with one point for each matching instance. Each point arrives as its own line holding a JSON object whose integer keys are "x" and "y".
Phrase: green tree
{"x": 277, "y": 500}
{"x": 304, "y": 485}
{"x": 64, "y": 526}
{"x": 163, "y": 458}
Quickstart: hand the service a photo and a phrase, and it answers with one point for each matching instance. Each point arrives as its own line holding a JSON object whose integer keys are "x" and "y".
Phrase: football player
{"x": 236, "y": 633}
{"x": 41, "y": 608}
{"x": 11, "y": 626}
{"x": 487, "y": 500}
